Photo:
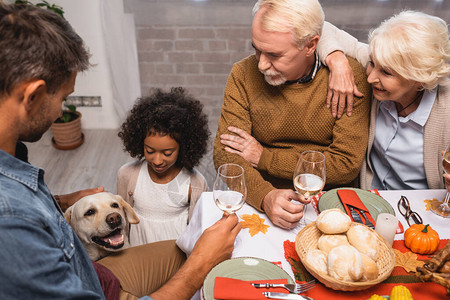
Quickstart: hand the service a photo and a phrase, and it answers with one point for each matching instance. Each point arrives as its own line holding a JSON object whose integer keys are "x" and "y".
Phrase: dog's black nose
{"x": 114, "y": 220}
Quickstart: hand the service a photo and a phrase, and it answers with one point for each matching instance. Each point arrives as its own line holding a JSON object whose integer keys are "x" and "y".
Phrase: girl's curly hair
{"x": 174, "y": 113}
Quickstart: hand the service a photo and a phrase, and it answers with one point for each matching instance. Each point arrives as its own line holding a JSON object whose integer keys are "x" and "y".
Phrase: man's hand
{"x": 280, "y": 210}
{"x": 215, "y": 245}
{"x": 67, "y": 200}
{"x": 243, "y": 144}
{"x": 341, "y": 85}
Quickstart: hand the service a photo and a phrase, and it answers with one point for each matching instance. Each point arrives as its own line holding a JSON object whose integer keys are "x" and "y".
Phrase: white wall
{"x": 109, "y": 34}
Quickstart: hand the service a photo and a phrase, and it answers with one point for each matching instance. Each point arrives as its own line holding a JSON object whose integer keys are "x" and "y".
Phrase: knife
{"x": 355, "y": 215}
{"x": 272, "y": 295}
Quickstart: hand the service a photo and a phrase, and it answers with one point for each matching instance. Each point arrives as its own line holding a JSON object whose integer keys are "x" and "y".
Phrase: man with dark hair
{"x": 41, "y": 256}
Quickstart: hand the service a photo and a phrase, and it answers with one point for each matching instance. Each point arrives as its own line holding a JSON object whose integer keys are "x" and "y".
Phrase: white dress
{"x": 162, "y": 208}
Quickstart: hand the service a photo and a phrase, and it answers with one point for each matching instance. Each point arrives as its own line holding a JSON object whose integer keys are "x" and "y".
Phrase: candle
{"x": 386, "y": 227}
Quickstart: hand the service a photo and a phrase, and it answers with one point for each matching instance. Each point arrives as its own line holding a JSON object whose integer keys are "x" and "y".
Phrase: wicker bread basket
{"x": 308, "y": 238}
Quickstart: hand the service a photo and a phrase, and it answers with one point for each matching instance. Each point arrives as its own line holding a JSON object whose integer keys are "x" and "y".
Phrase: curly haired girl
{"x": 168, "y": 134}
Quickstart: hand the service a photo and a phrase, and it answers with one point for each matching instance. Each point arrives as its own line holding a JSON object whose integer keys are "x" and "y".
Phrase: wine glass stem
{"x": 303, "y": 220}
{"x": 447, "y": 198}
{"x": 305, "y": 208}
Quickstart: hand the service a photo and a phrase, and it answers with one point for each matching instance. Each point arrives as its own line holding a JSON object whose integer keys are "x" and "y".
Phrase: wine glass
{"x": 443, "y": 207}
{"x": 230, "y": 189}
{"x": 309, "y": 176}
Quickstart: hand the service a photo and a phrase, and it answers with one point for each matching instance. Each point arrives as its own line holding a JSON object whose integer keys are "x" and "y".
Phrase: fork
{"x": 367, "y": 223}
{"x": 296, "y": 288}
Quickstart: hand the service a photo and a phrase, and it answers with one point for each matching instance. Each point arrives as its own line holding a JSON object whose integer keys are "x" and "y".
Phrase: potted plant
{"x": 66, "y": 130}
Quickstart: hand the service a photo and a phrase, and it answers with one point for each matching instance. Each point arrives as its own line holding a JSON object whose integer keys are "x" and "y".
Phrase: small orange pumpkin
{"x": 421, "y": 239}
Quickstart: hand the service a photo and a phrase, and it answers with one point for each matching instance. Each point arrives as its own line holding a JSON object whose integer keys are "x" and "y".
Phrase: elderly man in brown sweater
{"x": 274, "y": 109}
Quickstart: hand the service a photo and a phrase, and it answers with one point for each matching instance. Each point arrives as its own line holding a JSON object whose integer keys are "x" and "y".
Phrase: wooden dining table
{"x": 271, "y": 245}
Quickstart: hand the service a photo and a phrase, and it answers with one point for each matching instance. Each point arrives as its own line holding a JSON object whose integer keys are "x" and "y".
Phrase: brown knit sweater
{"x": 287, "y": 120}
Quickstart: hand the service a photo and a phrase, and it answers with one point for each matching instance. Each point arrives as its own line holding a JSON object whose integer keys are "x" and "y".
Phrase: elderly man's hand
{"x": 341, "y": 85}
{"x": 242, "y": 144}
{"x": 280, "y": 210}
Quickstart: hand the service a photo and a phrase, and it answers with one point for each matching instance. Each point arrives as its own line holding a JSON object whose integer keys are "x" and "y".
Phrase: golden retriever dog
{"x": 102, "y": 223}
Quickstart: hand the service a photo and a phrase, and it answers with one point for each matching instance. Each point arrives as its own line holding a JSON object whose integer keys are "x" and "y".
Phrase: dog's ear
{"x": 129, "y": 212}
{"x": 68, "y": 214}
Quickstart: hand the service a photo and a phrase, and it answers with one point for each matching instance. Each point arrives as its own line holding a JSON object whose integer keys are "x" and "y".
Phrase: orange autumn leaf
{"x": 429, "y": 202}
{"x": 407, "y": 260}
{"x": 254, "y": 223}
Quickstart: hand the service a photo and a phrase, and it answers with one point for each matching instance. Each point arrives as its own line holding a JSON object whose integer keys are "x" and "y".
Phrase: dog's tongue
{"x": 116, "y": 239}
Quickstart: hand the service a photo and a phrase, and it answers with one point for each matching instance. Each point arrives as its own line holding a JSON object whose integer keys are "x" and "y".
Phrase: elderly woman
{"x": 408, "y": 66}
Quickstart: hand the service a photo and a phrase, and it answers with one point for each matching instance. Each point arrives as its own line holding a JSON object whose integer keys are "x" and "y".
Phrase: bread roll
{"x": 329, "y": 241}
{"x": 364, "y": 240}
{"x": 317, "y": 259}
{"x": 332, "y": 221}
{"x": 345, "y": 263}
{"x": 370, "y": 268}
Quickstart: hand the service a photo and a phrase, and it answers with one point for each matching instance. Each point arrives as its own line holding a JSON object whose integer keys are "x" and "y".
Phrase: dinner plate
{"x": 243, "y": 268}
{"x": 374, "y": 203}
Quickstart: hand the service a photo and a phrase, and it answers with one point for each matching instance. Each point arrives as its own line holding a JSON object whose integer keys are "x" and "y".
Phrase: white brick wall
{"x": 198, "y": 58}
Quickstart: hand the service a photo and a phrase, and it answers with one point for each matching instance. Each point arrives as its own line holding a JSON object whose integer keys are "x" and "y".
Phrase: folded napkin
{"x": 230, "y": 288}
{"x": 315, "y": 202}
{"x": 350, "y": 197}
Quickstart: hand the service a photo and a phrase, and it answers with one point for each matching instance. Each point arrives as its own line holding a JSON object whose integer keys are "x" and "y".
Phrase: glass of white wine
{"x": 230, "y": 189}
{"x": 309, "y": 177}
{"x": 443, "y": 208}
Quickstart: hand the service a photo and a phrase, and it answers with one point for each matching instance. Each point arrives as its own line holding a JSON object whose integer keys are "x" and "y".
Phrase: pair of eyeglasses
{"x": 405, "y": 210}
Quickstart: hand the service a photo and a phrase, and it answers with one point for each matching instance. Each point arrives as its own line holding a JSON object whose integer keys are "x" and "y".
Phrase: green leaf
{"x": 58, "y": 10}
{"x": 71, "y": 107}
{"x": 66, "y": 117}
{"x": 44, "y": 4}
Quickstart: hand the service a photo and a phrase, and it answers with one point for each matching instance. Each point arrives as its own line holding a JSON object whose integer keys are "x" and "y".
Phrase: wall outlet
{"x": 78, "y": 101}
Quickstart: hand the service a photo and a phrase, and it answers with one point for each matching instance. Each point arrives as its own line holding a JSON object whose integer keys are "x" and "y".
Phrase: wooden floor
{"x": 95, "y": 163}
